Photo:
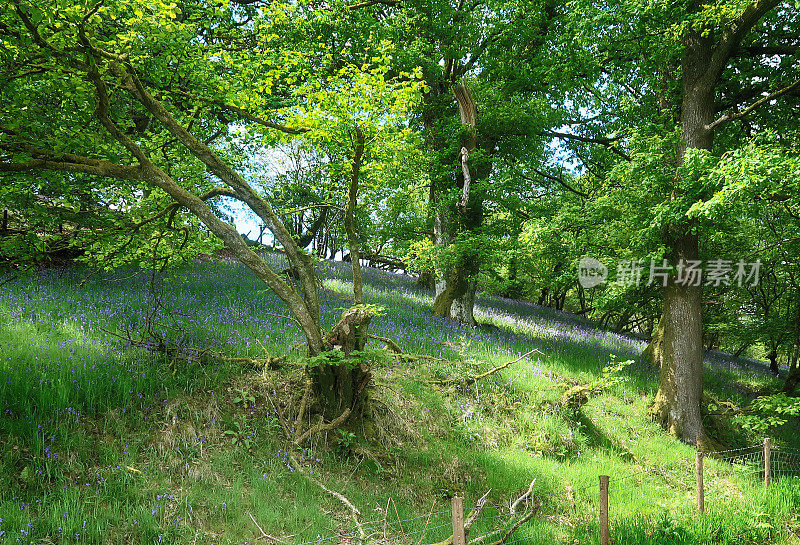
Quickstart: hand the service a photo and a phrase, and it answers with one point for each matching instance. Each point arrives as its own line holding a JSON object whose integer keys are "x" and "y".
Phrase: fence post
{"x": 458, "y": 521}
{"x": 604, "y": 509}
{"x": 701, "y": 493}
{"x": 767, "y": 462}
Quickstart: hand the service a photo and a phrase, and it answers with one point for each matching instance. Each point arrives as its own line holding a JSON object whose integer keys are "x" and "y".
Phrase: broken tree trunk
{"x": 339, "y": 386}
{"x": 455, "y": 289}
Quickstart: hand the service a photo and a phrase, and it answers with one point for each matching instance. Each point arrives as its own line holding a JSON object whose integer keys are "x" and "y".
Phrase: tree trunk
{"x": 340, "y": 385}
{"x": 455, "y": 294}
{"x": 456, "y": 287}
{"x": 542, "y": 301}
{"x": 427, "y": 279}
{"x": 349, "y": 217}
{"x": 680, "y": 355}
{"x": 678, "y": 343}
{"x": 773, "y": 363}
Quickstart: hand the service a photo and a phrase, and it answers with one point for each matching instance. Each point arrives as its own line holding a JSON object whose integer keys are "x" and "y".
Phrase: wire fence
{"x": 545, "y": 514}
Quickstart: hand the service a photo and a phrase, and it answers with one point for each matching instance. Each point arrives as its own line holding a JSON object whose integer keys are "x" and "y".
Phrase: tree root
{"x": 322, "y": 426}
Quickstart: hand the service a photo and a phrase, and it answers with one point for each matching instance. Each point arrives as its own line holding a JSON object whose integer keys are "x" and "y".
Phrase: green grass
{"x": 104, "y": 443}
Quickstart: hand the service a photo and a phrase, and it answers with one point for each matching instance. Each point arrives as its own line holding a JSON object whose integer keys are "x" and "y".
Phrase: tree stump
{"x": 340, "y": 386}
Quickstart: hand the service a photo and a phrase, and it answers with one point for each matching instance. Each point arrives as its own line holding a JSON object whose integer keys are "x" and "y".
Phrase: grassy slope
{"x": 105, "y": 444}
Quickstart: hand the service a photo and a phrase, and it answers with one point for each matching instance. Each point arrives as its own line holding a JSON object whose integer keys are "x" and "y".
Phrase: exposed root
{"x": 322, "y": 426}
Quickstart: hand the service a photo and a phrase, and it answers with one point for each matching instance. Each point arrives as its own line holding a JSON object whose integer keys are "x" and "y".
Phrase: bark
{"x": 773, "y": 363}
{"x": 340, "y": 386}
{"x": 678, "y": 345}
{"x": 680, "y": 355}
{"x": 349, "y": 217}
{"x": 456, "y": 293}
{"x": 456, "y": 287}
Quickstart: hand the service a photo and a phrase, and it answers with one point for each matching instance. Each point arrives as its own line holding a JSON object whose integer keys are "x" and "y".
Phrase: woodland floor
{"x": 101, "y": 442}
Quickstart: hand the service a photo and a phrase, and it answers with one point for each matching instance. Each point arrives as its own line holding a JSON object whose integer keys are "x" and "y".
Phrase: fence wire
{"x": 559, "y": 507}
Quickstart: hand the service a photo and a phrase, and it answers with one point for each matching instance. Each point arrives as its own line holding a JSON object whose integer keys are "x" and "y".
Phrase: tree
{"x": 630, "y": 67}
{"x": 477, "y": 106}
{"x": 113, "y": 95}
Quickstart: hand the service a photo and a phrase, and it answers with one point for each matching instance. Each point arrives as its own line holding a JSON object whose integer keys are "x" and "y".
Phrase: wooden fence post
{"x": 458, "y": 521}
{"x": 604, "y": 509}
{"x": 767, "y": 462}
{"x": 701, "y": 493}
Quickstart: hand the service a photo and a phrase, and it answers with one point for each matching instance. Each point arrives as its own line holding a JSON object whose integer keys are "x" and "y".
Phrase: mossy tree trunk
{"x": 457, "y": 284}
{"x": 678, "y": 346}
{"x": 677, "y": 349}
{"x": 340, "y": 386}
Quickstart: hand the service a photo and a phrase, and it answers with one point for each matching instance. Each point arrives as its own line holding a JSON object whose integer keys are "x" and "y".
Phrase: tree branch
{"x": 768, "y": 50}
{"x": 244, "y": 114}
{"x": 559, "y": 180}
{"x": 738, "y": 115}
{"x": 246, "y": 193}
{"x": 607, "y": 142}
{"x": 66, "y": 162}
{"x": 369, "y": 3}
{"x": 731, "y": 39}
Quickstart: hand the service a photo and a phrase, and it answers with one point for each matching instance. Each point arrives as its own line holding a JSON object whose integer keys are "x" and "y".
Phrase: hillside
{"x": 104, "y": 442}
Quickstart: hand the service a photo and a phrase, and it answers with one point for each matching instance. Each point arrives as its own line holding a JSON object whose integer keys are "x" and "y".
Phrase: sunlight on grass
{"x": 104, "y": 441}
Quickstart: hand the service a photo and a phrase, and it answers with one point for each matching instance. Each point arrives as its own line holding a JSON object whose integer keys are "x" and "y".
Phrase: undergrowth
{"x": 106, "y": 443}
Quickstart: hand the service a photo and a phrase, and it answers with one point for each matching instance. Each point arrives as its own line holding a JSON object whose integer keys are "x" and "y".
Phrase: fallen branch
{"x": 393, "y": 346}
{"x": 531, "y": 513}
{"x": 264, "y": 535}
{"x": 517, "y": 519}
{"x": 196, "y": 354}
{"x": 474, "y": 378}
{"x": 321, "y": 426}
{"x": 354, "y": 512}
{"x": 473, "y": 516}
